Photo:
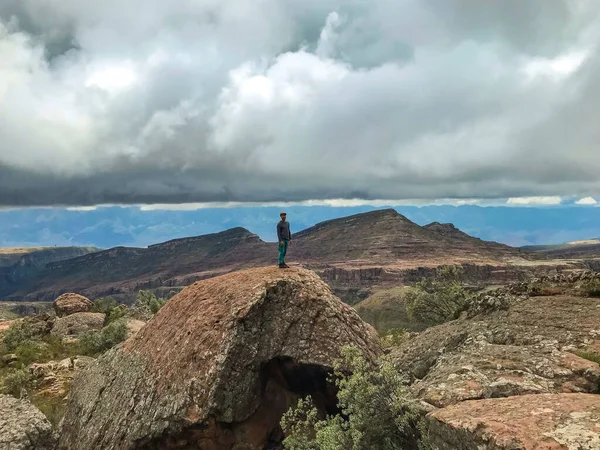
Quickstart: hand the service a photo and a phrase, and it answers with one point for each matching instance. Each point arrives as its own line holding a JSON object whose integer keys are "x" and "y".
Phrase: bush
{"x": 432, "y": 302}
{"x": 104, "y": 305}
{"x": 32, "y": 351}
{"x": 393, "y": 338}
{"x": 16, "y": 381}
{"x": 591, "y": 288}
{"x": 375, "y": 412}
{"x": 147, "y": 304}
{"x": 19, "y": 333}
{"x": 93, "y": 343}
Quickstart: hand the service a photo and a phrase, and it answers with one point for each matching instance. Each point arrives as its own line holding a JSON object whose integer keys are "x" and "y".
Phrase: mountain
{"x": 387, "y": 237}
{"x": 587, "y": 248}
{"x": 352, "y": 254}
{"x": 19, "y": 264}
{"x": 172, "y": 263}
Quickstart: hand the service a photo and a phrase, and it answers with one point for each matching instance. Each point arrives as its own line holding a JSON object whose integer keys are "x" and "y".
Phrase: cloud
{"x": 530, "y": 201}
{"x": 587, "y": 201}
{"x": 207, "y": 101}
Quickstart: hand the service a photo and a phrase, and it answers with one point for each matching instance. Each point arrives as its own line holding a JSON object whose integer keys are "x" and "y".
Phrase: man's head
{"x": 283, "y": 216}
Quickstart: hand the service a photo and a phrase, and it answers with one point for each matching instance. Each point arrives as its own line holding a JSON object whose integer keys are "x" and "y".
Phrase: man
{"x": 284, "y": 236}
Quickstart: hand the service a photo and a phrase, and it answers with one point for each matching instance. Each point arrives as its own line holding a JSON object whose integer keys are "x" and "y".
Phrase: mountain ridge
{"x": 360, "y": 249}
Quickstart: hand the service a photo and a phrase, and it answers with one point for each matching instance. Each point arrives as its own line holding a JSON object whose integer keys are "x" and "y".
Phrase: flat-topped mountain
{"x": 369, "y": 242}
{"x": 18, "y": 264}
{"x": 589, "y": 248}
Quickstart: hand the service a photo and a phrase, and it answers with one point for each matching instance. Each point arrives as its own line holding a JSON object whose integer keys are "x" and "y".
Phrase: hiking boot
{"x": 283, "y": 266}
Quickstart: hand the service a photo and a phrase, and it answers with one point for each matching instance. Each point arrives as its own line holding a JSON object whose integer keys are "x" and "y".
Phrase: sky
{"x": 145, "y": 102}
{"x": 140, "y": 226}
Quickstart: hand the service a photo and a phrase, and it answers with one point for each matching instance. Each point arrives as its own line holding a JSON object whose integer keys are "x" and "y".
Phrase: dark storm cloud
{"x": 158, "y": 102}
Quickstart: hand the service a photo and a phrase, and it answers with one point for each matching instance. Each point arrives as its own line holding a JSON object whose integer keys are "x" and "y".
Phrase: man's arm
{"x": 279, "y": 230}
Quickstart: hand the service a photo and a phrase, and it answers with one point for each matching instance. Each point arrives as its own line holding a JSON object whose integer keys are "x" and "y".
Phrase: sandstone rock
{"x": 77, "y": 324}
{"x": 23, "y": 426}
{"x": 6, "y": 324}
{"x": 529, "y": 422}
{"x": 525, "y": 349}
{"x": 134, "y": 326}
{"x": 68, "y": 304}
{"x": 41, "y": 324}
{"x": 54, "y": 377}
{"x": 217, "y": 366}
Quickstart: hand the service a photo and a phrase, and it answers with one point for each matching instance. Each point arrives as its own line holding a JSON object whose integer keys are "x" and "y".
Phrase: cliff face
{"x": 17, "y": 266}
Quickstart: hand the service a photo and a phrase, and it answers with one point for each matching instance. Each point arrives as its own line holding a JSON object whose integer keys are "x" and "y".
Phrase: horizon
{"x": 118, "y": 226}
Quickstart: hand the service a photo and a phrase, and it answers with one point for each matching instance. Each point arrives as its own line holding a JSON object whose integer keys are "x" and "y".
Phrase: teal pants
{"x": 283, "y": 250}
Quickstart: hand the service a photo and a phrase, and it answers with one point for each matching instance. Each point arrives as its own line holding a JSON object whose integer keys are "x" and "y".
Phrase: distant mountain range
{"x": 351, "y": 253}
{"x": 140, "y": 226}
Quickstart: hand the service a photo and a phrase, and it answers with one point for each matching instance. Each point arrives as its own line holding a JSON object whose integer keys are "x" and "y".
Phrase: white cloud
{"x": 586, "y": 201}
{"x": 530, "y": 201}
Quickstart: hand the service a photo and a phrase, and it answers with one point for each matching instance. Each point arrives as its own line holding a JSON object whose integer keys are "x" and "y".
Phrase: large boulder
{"x": 77, "y": 324}
{"x": 529, "y": 422}
{"x": 68, "y": 304}
{"x": 23, "y": 426}
{"x": 217, "y": 366}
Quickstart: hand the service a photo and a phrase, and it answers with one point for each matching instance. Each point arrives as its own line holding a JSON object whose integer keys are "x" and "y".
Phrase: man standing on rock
{"x": 284, "y": 236}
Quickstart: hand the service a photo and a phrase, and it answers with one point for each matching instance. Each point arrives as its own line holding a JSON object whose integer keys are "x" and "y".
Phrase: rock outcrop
{"x": 68, "y": 304}
{"x": 217, "y": 366}
{"x": 54, "y": 377}
{"x": 529, "y": 422}
{"x": 77, "y": 324}
{"x": 526, "y": 347}
{"x": 23, "y": 426}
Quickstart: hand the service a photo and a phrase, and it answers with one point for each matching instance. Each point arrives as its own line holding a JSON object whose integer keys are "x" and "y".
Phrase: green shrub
{"x": 591, "y": 288}
{"x": 393, "y": 338}
{"x": 375, "y": 412}
{"x": 16, "y": 381}
{"x": 432, "y": 302}
{"x": 19, "y": 333}
{"x": 104, "y": 305}
{"x": 93, "y": 343}
{"x": 147, "y": 304}
{"x": 32, "y": 351}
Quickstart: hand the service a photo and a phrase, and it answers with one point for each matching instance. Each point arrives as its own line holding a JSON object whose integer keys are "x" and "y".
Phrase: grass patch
{"x": 386, "y": 311}
{"x": 590, "y": 356}
{"x": 53, "y": 407}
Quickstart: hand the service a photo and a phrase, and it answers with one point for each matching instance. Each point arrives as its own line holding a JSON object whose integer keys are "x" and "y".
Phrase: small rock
{"x": 78, "y": 323}
{"x": 68, "y": 304}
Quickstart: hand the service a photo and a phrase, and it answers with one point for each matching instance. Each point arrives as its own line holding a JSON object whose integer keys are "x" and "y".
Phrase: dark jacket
{"x": 283, "y": 231}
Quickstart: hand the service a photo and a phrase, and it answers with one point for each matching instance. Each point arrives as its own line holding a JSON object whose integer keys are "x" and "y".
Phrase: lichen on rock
{"x": 217, "y": 366}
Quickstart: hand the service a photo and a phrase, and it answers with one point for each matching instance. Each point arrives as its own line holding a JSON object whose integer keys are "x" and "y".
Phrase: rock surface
{"x": 76, "y": 324}
{"x": 134, "y": 326}
{"x": 217, "y": 366}
{"x": 54, "y": 377}
{"x": 529, "y": 422}
{"x": 525, "y": 347}
{"x": 23, "y": 426}
{"x": 68, "y": 304}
